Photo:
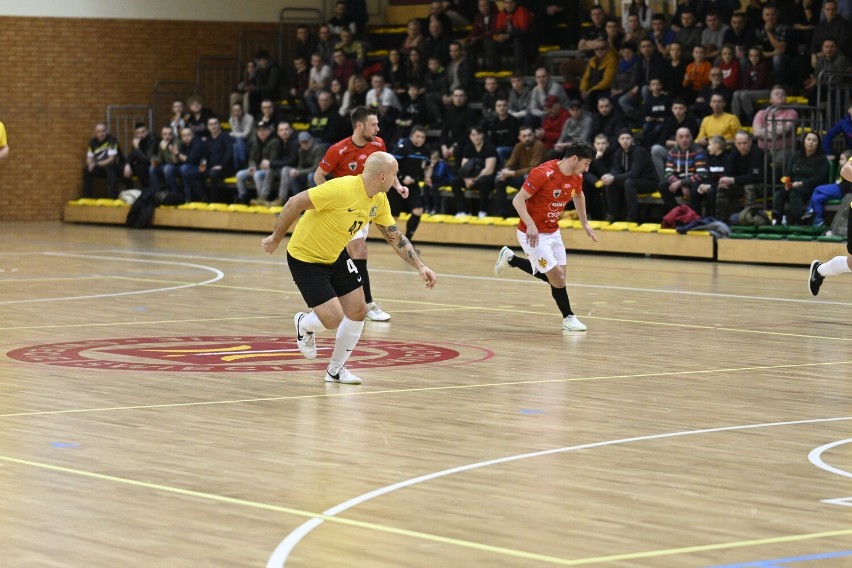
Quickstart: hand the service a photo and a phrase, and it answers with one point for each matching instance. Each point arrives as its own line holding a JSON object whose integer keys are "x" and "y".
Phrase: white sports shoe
{"x": 343, "y": 377}
{"x": 375, "y": 313}
{"x": 502, "y": 265}
{"x": 306, "y": 341}
{"x": 571, "y": 323}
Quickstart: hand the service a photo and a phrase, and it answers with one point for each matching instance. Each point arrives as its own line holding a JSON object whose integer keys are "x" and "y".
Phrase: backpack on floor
{"x": 840, "y": 224}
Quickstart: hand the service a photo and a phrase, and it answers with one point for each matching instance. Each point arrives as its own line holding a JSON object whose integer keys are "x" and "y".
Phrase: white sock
{"x": 311, "y": 323}
{"x": 347, "y": 338}
{"x": 835, "y": 266}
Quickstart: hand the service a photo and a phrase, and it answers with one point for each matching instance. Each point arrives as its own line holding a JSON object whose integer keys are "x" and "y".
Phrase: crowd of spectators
{"x": 673, "y": 104}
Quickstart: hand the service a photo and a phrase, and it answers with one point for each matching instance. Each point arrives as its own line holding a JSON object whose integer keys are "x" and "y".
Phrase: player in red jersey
{"x": 540, "y": 203}
{"x": 346, "y": 158}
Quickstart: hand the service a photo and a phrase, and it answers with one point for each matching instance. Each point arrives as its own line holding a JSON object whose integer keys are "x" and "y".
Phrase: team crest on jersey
{"x": 557, "y": 193}
{"x": 542, "y": 263}
{"x": 373, "y": 211}
{"x": 353, "y": 166}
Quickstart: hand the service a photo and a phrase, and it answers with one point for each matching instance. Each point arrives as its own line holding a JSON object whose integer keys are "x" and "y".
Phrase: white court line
{"x": 516, "y": 280}
{"x": 219, "y": 275}
{"x": 815, "y": 458}
{"x": 282, "y": 551}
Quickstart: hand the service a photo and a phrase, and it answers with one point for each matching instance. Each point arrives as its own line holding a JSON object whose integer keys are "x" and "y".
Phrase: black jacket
{"x": 635, "y": 163}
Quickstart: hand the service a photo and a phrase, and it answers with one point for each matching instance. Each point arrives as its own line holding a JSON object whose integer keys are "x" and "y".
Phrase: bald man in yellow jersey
{"x": 838, "y": 264}
{"x": 322, "y": 270}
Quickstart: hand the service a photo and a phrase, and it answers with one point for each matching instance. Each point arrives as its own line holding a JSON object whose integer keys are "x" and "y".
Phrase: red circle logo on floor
{"x": 244, "y": 354}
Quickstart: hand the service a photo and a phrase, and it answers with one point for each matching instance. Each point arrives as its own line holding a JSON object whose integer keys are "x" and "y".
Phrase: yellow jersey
{"x": 341, "y": 209}
{"x": 2, "y": 136}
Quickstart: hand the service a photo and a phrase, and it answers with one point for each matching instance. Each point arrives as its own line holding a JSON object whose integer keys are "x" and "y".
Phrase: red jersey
{"x": 551, "y": 190}
{"x": 346, "y": 159}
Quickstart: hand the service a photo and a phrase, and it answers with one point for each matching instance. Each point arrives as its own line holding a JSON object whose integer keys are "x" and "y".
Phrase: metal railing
{"x": 783, "y": 136}
{"x": 164, "y": 94}
{"x": 121, "y": 122}
{"x": 216, "y": 77}
{"x": 834, "y": 95}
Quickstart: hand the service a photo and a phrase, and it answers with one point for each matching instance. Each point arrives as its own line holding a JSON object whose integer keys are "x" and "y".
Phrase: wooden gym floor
{"x": 154, "y": 411}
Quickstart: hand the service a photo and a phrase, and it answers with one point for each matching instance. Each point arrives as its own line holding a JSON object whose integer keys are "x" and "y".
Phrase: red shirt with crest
{"x": 551, "y": 191}
{"x": 346, "y": 159}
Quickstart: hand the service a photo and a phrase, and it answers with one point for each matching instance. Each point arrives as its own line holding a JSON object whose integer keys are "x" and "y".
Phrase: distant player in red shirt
{"x": 540, "y": 203}
{"x": 346, "y": 158}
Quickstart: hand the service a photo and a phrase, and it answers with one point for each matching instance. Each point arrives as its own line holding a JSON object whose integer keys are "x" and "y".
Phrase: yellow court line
{"x": 427, "y": 389}
{"x": 297, "y": 512}
{"x": 427, "y": 536}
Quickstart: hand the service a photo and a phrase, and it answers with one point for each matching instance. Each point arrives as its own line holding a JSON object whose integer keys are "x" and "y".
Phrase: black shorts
{"x": 319, "y": 283}
{"x": 413, "y": 201}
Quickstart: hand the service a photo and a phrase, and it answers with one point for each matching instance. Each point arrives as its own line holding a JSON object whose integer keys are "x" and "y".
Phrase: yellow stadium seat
{"x": 508, "y": 222}
{"x": 566, "y": 223}
{"x": 666, "y": 232}
{"x": 645, "y": 228}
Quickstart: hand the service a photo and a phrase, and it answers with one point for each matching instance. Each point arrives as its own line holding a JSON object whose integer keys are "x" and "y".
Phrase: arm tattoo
{"x": 401, "y": 244}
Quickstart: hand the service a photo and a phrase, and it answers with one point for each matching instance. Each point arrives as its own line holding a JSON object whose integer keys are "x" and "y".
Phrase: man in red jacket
{"x": 514, "y": 28}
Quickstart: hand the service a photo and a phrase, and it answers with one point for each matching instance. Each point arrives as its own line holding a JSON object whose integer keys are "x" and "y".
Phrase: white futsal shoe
{"x": 503, "y": 259}
{"x": 306, "y": 341}
{"x": 343, "y": 376}
{"x": 375, "y": 313}
{"x": 571, "y": 323}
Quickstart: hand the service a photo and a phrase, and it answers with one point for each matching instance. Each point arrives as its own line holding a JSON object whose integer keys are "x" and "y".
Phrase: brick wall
{"x": 57, "y": 77}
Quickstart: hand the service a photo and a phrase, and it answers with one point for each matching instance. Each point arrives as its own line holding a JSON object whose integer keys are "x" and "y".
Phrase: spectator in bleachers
{"x": 633, "y": 30}
{"x": 103, "y": 159}
{"x": 178, "y": 119}
{"x": 578, "y": 126}
{"x": 343, "y": 68}
{"x": 355, "y": 95}
{"x": 415, "y": 167}
{"x": 774, "y": 129}
{"x": 686, "y": 169}
{"x": 519, "y": 97}
{"x": 357, "y": 10}
{"x": 415, "y": 66}
{"x": 754, "y": 14}
{"x": 514, "y": 33}
{"x": 703, "y": 199}
{"x": 641, "y": 10}
{"x": 198, "y": 116}
{"x": 608, "y": 120}
{"x": 341, "y": 21}
{"x": 458, "y": 120}
{"x": 306, "y": 43}
{"x": 614, "y": 35}
{"x": 139, "y": 158}
{"x": 393, "y": 70}
{"x": 558, "y": 22}
{"x": 655, "y": 111}
{"x": 649, "y": 65}
{"x": 729, "y": 65}
{"x": 241, "y": 133}
{"x": 713, "y": 35}
{"x": 382, "y": 98}
{"x": 490, "y": 96}
{"x": 683, "y": 6}
{"x": 258, "y": 163}
{"x": 337, "y": 90}
{"x": 627, "y": 72}
{"x": 594, "y": 35}
{"x": 842, "y": 126}
{"x": 241, "y": 94}
{"x": 413, "y": 36}
{"x": 674, "y": 70}
{"x": 268, "y": 82}
{"x": 353, "y": 49}
{"x": 740, "y": 36}
{"x": 325, "y": 44}
{"x": 757, "y": 81}
{"x": 815, "y": 210}
{"x": 592, "y": 184}
{"x": 478, "y": 40}
{"x": 552, "y": 124}
{"x": 326, "y": 125}
{"x": 599, "y": 75}
{"x": 218, "y": 161}
{"x": 743, "y": 176}
{"x": 435, "y": 85}
{"x": 413, "y": 112}
{"x": 299, "y": 78}
{"x": 319, "y": 79}
{"x": 526, "y": 154}
{"x": 713, "y": 87}
{"x": 724, "y": 8}
{"x": 283, "y": 153}
{"x": 190, "y": 153}
{"x": 166, "y": 153}
{"x": 719, "y": 123}
{"x": 807, "y": 169}
{"x": 502, "y": 129}
{"x": 828, "y": 60}
{"x": 833, "y": 26}
{"x": 268, "y": 113}
{"x": 544, "y": 87}
{"x": 803, "y": 16}
{"x": 437, "y": 11}
{"x": 631, "y": 174}
{"x": 689, "y": 34}
{"x": 461, "y": 73}
{"x": 295, "y": 178}
{"x": 772, "y": 38}
{"x": 681, "y": 117}
{"x": 477, "y": 171}
{"x": 697, "y": 73}
{"x": 437, "y": 42}
{"x": 661, "y": 34}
